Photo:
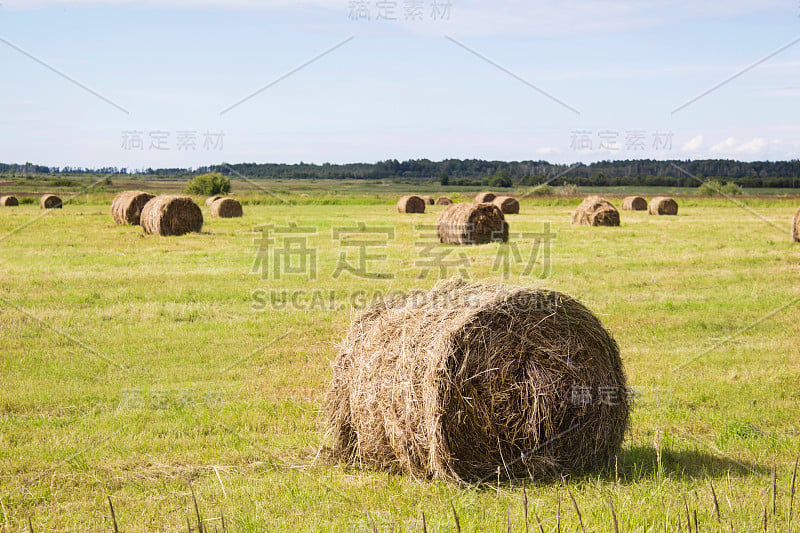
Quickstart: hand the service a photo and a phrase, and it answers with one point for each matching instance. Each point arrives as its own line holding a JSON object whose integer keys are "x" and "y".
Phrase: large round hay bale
{"x": 9, "y": 201}
{"x": 444, "y": 200}
{"x": 662, "y": 205}
{"x": 471, "y": 224}
{"x": 226, "y": 208}
{"x": 508, "y": 205}
{"x": 127, "y": 206}
{"x": 484, "y": 197}
{"x": 596, "y": 211}
{"x": 796, "y": 226}
{"x": 211, "y": 199}
{"x": 428, "y": 200}
{"x": 171, "y": 215}
{"x": 469, "y": 382}
{"x": 634, "y": 203}
{"x": 411, "y": 204}
{"x": 50, "y": 201}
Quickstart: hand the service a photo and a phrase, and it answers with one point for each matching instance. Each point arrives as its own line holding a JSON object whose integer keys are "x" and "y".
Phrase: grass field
{"x": 145, "y": 368}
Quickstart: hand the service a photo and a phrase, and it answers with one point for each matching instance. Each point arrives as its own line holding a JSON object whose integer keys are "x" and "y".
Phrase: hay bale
{"x": 9, "y": 201}
{"x": 508, "y": 205}
{"x": 485, "y": 197}
{"x": 127, "y": 206}
{"x": 226, "y": 208}
{"x": 50, "y": 201}
{"x": 634, "y": 203}
{"x": 796, "y": 226}
{"x": 471, "y": 224}
{"x": 428, "y": 200}
{"x": 411, "y": 204}
{"x": 471, "y": 380}
{"x": 596, "y": 211}
{"x": 662, "y": 205}
{"x": 211, "y": 199}
{"x": 171, "y": 215}
{"x": 444, "y": 200}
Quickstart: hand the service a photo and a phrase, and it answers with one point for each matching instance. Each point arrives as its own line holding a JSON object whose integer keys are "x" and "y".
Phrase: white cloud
{"x": 754, "y": 146}
{"x": 727, "y": 144}
{"x": 694, "y": 144}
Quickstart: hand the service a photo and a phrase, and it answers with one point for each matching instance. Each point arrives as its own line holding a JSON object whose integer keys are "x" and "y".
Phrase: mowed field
{"x": 143, "y": 368}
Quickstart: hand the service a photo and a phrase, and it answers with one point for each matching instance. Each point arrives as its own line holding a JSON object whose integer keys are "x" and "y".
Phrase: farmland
{"x": 143, "y": 368}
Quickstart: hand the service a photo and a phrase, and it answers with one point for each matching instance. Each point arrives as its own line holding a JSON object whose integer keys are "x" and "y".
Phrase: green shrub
{"x": 28, "y": 200}
{"x": 569, "y": 189}
{"x": 731, "y": 189}
{"x": 209, "y": 184}
{"x": 714, "y": 187}
{"x": 501, "y": 179}
{"x": 542, "y": 190}
{"x": 709, "y": 188}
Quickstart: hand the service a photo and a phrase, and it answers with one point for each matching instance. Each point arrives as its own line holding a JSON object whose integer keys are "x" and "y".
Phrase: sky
{"x": 186, "y": 83}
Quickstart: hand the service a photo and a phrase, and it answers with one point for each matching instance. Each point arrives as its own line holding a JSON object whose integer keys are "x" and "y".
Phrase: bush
{"x": 569, "y": 189}
{"x": 209, "y": 184}
{"x": 709, "y": 188}
{"x": 542, "y": 190}
{"x": 731, "y": 189}
{"x": 501, "y": 179}
{"x": 714, "y": 187}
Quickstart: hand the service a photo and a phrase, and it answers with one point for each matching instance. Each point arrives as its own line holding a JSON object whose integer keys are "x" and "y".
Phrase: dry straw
{"x": 484, "y": 197}
{"x": 127, "y": 206}
{"x": 411, "y": 204}
{"x": 50, "y": 201}
{"x": 469, "y": 382}
{"x": 662, "y": 205}
{"x": 508, "y": 205}
{"x": 9, "y": 201}
{"x": 596, "y": 211}
{"x": 171, "y": 215}
{"x": 796, "y": 226}
{"x": 226, "y": 208}
{"x": 444, "y": 200}
{"x": 428, "y": 200}
{"x": 471, "y": 224}
{"x": 211, "y": 199}
{"x": 634, "y": 203}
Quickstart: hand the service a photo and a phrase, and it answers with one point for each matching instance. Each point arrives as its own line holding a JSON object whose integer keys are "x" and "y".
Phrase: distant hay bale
{"x": 796, "y": 226}
{"x": 127, "y": 206}
{"x": 471, "y": 224}
{"x": 485, "y": 197}
{"x": 226, "y": 208}
{"x": 596, "y": 211}
{"x": 411, "y": 204}
{"x": 508, "y": 205}
{"x": 50, "y": 201}
{"x": 171, "y": 215}
{"x": 471, "y": 382}
{"x": 428, "y": 200}
{"x": 634, "y": 203}
{"x": 444, "y": 200}
{"x": 211, "y": 199}
{"x": 662, "y": 205}
{"x": 9, "y": 201}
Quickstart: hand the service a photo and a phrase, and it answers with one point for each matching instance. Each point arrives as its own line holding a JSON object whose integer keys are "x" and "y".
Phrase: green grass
{"x": 141, "y": 367}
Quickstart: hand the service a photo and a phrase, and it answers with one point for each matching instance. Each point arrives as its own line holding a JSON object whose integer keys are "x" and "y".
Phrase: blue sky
{"x": 561, "y": 81}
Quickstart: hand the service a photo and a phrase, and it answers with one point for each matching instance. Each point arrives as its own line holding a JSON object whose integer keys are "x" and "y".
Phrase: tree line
{"x": 645, "y": 172}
